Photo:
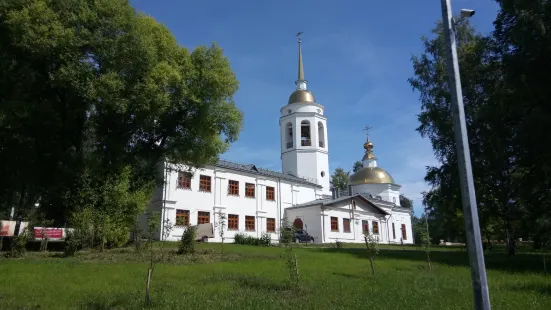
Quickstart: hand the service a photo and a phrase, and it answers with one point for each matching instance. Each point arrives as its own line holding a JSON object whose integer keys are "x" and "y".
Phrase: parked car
{"x": 300, "y": 235}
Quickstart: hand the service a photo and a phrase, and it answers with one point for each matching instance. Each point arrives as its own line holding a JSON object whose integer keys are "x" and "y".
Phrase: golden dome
{"x": 301, "y": 96}
{"x": 370, "y": 175}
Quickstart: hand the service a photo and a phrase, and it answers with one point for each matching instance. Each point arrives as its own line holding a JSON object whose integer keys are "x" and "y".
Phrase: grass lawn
{"x": 248, "y": 277}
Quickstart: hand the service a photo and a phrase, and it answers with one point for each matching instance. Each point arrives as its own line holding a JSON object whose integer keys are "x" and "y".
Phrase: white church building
{"x": 255, "y": 200}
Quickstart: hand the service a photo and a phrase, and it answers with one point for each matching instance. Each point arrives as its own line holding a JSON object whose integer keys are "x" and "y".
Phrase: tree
{"x": 372, "y": 247}
{"x": 521, "y": 38}
{"x": 92, "y": 92}
{"x": 339, "y": 179}
{"x": 406, "y": 202}
{"x": 221, "y": 225}
{"x": 357, "y": 166}
{"x": 488, "y": 127}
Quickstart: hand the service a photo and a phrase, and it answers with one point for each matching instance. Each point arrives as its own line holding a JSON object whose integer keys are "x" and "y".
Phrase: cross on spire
{"x": 367, "y": 131}
{"x": 298, "y": 36}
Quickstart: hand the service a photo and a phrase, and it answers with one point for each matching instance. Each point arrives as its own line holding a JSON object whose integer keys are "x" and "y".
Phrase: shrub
{"x": 264, "y": 240}
{"x": 339, "y": 244}
{"x": 75, "y": 240}
{"x": 187, "y": 243}
{"x": 18, "y": 245}
{"x": 239, "y": 238}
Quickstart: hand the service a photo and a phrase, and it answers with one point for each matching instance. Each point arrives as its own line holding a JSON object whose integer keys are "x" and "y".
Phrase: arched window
{"x": 321, "y": 135}
{"x": 289, "y": 135}
{"x": 305, "y": 136}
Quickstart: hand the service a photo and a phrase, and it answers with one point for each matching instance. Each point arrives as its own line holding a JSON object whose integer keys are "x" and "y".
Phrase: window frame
{"x": 375, "y": 227}
{"x": 334, "y": 223}
{"x": 248, "y": 188}
{"x": 233, "y": 219}
{"x": 365, "y": 226}
{"x": 248, "y": 220}
{"x": 404, "y": 233}
{"x": 346, "y": 225}
{"x": 205, "y": 183}
{"x": 233, "y": 188}
{"x": 270, "y": 190}
{"x": 185, "y": 215}
{"x": 201, "y": 214}
{"x": 393, "y": 231}
{"x": 270, "y": 221}
{"x": 183, "y": 181}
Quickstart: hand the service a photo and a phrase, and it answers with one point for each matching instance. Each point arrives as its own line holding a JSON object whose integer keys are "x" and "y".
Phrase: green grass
{"x": 256, "y": 278}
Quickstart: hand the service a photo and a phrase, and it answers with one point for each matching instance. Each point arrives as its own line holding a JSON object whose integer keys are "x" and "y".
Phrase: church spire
{"x": 301, "y": 82}
{"x": 368, "y": 146}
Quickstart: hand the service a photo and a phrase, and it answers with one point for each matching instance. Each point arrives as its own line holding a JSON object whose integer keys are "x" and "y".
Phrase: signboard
{"x": 48, "y": 232}
{"x": 7, "y": 228}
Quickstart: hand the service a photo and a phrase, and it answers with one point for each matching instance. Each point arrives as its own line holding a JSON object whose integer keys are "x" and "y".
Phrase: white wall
{"x": 362, "y": 212}
{"x": 286, "y": 195}
{"x": 311, "y": 218}
{"x": 388, "y": 192}
{"x": 341, "y": 210}
{"x": 400, "y": 217}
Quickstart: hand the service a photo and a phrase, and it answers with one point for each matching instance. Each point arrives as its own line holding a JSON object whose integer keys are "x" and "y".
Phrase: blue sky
{"x": 356, "y": 60}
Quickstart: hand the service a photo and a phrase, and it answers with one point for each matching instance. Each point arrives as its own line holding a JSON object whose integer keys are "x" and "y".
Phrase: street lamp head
{"x": 466, "y": 13}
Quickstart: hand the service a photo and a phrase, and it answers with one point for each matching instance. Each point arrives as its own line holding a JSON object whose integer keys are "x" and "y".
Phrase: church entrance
{"x": 298, "y": 224}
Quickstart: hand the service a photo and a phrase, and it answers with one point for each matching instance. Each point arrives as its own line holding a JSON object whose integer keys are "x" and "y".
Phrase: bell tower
{"x": 303, "y": 130}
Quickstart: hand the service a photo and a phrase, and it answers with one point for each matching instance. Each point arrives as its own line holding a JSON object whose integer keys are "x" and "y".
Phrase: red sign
{"x": 4, "y": 229}
{"x": 50, "y": 233}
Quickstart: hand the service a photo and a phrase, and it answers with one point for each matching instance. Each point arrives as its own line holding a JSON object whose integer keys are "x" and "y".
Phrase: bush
{"x": 264, "y": 240}
{"x": 339, "y": 244}
{"x": 18, "y": 246}
{"x": 74, "y": 242}
{"x": 187, "y": 243}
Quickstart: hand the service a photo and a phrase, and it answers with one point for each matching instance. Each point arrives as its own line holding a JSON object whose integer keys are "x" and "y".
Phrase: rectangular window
{"x": 393, "y": 232}
{"x": 365, "y": 226}
{"x": 404, "y": 234}
{"x": 249, "y": 223}
{"x": 270, "y": 193}
{"x": 233, "y": 188}
{"x": 204, "y": 183}
{"x": 346, "y": 225}
{"x": 353, "y": 204}
{"x": 182, "y": 217}
{"x": 233, "y": 222}
{"x": 184, "y": 180}
{"x": 270, "y": 225}
{"x": 203, "y": 217}
{"x": 375, "y": 228}
{"x": 249, "y": 190}
{"x": 334, "y": 224}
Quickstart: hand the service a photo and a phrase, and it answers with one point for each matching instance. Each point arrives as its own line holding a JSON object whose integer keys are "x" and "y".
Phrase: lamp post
{"x": 468, "y": 197}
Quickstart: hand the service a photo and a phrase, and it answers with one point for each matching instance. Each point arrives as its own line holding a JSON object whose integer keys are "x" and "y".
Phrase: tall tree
{"x": 339, "y": 179}
{"x": 89, "y": 90}
{"x": 523, "y": 40}
{"x": 406, "y": 202}
{"x": 487, "y": 126}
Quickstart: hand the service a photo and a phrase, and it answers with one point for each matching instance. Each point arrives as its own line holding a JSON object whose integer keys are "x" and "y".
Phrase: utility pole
{"x": 468, "y": 197}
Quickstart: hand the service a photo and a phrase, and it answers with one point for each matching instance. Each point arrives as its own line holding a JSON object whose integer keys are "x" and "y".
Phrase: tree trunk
{"x": 544, "y": 264}
{"x": 372, "y": 265}
{"x": 149, "y": 271}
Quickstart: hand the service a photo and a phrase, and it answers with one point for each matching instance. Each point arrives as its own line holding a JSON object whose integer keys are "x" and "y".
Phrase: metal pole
{"x": 472, "y": 226}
